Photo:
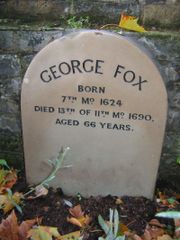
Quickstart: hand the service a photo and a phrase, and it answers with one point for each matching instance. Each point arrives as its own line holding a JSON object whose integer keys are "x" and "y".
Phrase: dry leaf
{"x": 76, "y": 211}
{"x": 78, "y": 218}
{"x": 74, "y": 221}
{"x": 39, "y": 192}
{"x": 119, "y": 201}
{"x": 43, "y": 233}
{"x": 123, "y": 228}
{"x": 9, "y": 229}
{"x": 7, "y": 179}
{"x": 69, "y": 236}
{"x": 24, "y": 228}
{"x": 81, "y": 222}
{"x": 6, "y": 203}
{"x": 10, "y": 179}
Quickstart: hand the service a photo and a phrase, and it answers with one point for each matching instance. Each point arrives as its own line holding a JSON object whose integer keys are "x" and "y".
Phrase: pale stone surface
{"x": 114, "y": 127}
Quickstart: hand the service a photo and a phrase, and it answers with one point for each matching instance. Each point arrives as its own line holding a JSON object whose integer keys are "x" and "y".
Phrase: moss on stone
{"x": 174, "y": 35}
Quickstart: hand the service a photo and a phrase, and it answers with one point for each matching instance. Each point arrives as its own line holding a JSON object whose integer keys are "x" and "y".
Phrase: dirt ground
{"x": 134, "y": 212}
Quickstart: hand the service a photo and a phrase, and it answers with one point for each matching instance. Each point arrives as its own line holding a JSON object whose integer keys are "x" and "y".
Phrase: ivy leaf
{"x": 10, "y": 230}
{"x": 43, "y": 233}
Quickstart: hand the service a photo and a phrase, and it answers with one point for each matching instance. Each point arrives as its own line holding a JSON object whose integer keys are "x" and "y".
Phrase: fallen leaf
{"x": 3, "y": 174}
{"x": 7, "y": 203}
{"x": 69, "y": 236}
{"x": 119, "y": 201}
{"x": 76, "y": 211}
{"x": 78, "y": 219}
{"x": 9, "y": 229}
{"x": 40, "y": 191}
{"x": 169, "y": 214}
{"x": 123, "y": 228}
{"x": 81, "y": 221}
{"x": 43, "y": 233}
{"x": 10, "y": 179}
{"x": 24, "y": 228}
{"x": 74, "y": 221}
{"x": 68, "y": 203}
{"x": 7, "y": 179}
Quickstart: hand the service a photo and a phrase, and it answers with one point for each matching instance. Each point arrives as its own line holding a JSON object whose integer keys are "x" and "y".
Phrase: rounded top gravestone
{"x": 99, "y": 94}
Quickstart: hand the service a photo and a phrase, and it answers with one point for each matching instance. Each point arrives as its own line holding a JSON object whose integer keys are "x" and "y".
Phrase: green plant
{"x": 4, "y": 163}
{"x": 169, "y": 214}
{"x": 178, "y": 147}
{"x": 82, "y": 22}
{"x": 111, "y": 228}
{"x": 56, "y": 164}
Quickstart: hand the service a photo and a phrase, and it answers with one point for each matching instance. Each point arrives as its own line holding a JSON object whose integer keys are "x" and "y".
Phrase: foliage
{"x": 4, "y": 163}
{"x": 164, "y": 200}
{"x": 79, "y": 218}
{"x": 43, "y": 233}
{"x": 169, "y": 214}
{"x": 178, "y": 146}
{"x": 7, "y": 179}
{"x": 82, "y": 22}
{"x": 9, "y": 200}
{"x": 56, "y": 165}
{"x": 10, "y": 230}
{"x": 71, "y": 236}
{"x": 111, "y": 228}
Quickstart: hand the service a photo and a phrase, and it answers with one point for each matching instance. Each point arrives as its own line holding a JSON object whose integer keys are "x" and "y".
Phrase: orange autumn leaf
{"x": 123, "y": 228}
{"x": 81, "y": 222}
{"x": 11, "y": 179}
{"x": 75, "y": 221}
{"x": 76, "y": 211}
{"x": 130, "y": 23}
{"x": 10, "y": 230}
{"x": 78, "y": 219}
{"x": 24, "y": 228}
{"x": 7, "y": 179}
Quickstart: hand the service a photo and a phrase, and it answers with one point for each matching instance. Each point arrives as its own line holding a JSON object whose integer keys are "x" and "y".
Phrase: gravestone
{"x": 99, "y": 94}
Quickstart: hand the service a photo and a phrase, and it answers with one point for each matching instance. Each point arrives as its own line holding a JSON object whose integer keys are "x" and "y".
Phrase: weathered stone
{"x": 27, "y": 41}
{"x": 106, "y": 101}
{"x": 10, "y": 122}
{"x": 11, "y": 148}
{"x": 10, "y": 87}
{"x": 163, "y": 46}
{"x": 47, "y": 9}
{"x": 162, "y": 15}
{"x": 9, "y": 66}
{"x": 7, "y": 105}
{"x": 173, "y": 120}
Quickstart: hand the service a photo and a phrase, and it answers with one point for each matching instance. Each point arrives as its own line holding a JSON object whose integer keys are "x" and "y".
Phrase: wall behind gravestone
{"x": 18, "y": 45}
